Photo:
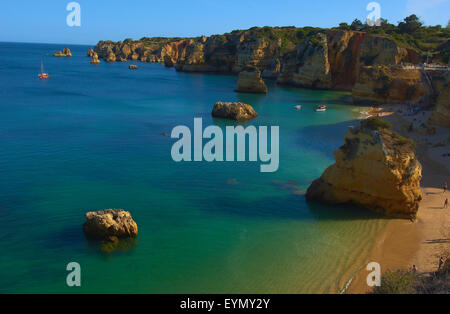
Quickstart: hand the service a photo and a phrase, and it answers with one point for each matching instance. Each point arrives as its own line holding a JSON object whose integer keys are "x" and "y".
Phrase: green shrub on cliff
{"x": 410, "y": 282}
{"x": 411, "y": 33}
{"x": 374, "y": 123}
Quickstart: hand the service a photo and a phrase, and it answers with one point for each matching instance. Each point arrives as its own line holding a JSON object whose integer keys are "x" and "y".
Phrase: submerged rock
{"x": 234, "y": 111}
{"x": 114, "y": 244}
{"x": 110, "y": 223}
{"x": 375, "y": 169}
{"x": 250, "y": 81}
{"x": 65, "y": 53}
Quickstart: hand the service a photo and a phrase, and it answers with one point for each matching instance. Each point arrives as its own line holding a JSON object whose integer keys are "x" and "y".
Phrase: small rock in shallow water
{"x": 110, "y": 224}
{"x": 234, "y": 111}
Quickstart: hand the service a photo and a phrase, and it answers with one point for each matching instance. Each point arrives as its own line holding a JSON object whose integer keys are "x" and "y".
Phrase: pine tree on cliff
{"x": 357, "y": 25}
{"x": 410, "y": 24}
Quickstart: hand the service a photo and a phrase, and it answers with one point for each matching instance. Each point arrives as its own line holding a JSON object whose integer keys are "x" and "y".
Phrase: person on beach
{"x": 446, "y": 203}
{"x": 441, "y": 262}
{"x": 445, "y": 187}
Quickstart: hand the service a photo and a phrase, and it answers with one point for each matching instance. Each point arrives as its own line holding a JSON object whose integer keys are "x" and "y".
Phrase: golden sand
{"x": 405, "y": 243}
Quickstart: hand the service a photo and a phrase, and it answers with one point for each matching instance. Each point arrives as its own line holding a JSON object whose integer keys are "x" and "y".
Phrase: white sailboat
{"x": 43, "y": 75}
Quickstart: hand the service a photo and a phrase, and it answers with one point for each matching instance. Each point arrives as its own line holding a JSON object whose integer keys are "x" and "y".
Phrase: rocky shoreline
{"x": 371, "y": 66}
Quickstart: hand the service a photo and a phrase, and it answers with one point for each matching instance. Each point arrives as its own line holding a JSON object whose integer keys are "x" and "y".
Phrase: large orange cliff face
{"x": 344, "y": 58}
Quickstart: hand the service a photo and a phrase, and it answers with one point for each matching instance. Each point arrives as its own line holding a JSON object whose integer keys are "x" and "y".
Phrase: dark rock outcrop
{"x": 168, "y": 62}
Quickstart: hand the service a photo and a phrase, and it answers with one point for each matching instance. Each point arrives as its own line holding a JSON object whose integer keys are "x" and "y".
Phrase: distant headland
{"x": 384, "y": 64}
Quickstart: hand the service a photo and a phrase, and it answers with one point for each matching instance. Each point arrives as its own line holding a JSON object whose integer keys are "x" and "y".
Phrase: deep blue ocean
{"x": 90, "y": 138}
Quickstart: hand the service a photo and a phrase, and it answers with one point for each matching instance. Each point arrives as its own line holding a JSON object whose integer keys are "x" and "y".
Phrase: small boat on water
{"x": 43, "y": 75}
{"x": 321, "y": 108}
{"x": 299, "y": 107}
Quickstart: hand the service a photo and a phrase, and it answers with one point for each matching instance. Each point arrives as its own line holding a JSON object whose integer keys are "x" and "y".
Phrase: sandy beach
{"x": 421, "y": 242}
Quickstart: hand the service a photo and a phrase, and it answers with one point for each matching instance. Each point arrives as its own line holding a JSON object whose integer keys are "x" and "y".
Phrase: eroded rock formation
{"x": 308, "y": 57}
{"x": 250, "y": 81}
{"x": 64, "y": 53}
{"x": 375, "y": 169}
{"x": 110, "y": 223}
{"x": 94, "y": 59}
{"x": 234, "y": 111}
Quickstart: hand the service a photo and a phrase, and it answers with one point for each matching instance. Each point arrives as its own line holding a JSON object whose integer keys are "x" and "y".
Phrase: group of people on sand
{"x": 441, "y": 263}
{"x": 441, "y": 259}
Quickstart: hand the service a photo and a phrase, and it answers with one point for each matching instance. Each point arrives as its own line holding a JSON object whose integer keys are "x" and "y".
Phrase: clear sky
{"x": 45, "y": 20}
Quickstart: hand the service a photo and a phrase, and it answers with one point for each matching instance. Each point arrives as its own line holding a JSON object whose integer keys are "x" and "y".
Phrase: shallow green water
{"x": 90, "y": 138}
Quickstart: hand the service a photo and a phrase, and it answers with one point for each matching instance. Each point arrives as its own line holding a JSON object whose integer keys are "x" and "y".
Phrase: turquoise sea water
{"x": 89, "y": 138}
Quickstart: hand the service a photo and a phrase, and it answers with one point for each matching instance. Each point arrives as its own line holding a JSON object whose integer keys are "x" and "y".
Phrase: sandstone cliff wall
{"x": 441, "y": 112}
{"x": 323, "y": 59}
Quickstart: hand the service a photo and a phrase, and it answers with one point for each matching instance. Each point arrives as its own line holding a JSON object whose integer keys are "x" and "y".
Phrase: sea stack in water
{"x": 109, "y": 223}
{"x": 234, "y": 111}
{"x": 91, "y": 53}
{"x": 250, "y": 81}
{"x": 95, "y": 59}
{"x": 65, "y": 53}
{"x": 375, "y": 169}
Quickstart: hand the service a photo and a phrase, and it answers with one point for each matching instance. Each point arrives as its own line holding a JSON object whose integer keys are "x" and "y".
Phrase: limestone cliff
{"x": 389, "y": 85}
{"x": 375, "y": 169}
{"x": 311, "y": 57}
{"x": 303, "y": 57}
{"x": 310, "y": 67}
{"x": 441, "y": 112}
